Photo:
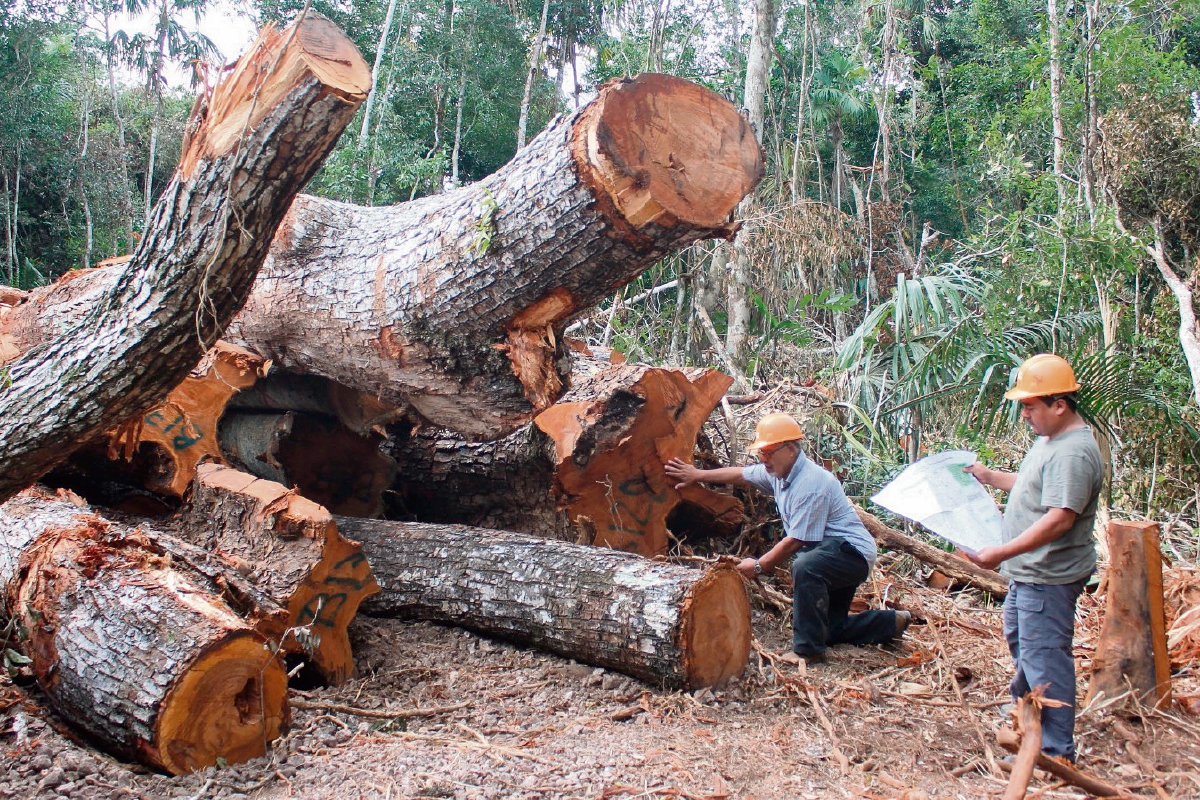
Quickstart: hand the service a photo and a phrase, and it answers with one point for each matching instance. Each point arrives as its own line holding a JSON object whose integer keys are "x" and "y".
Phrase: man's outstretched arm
{"x": 685, "y": 474}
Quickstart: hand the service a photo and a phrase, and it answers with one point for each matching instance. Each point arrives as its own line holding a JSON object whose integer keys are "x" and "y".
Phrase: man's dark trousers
{"x": 824, "y": 578}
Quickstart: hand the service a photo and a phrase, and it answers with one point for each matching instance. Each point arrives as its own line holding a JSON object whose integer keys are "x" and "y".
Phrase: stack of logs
{"x": 362, "y": 347}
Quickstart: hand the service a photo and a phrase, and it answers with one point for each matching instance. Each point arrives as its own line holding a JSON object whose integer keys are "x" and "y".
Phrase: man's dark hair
{"x": 1069, "y": 398}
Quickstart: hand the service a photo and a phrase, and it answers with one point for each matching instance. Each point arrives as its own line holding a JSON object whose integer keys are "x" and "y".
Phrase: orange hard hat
{"x": 776, "y": 428}
{"x": 1042, "y": 375}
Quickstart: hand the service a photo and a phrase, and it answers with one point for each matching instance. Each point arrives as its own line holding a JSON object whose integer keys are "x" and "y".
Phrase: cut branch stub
{"x": 293, "y": 551}
{"x": 662, "y": 623}
{"x": 611, "y": 444}
{"x": 151, "y": 647}
{"x": 171, "y": 439}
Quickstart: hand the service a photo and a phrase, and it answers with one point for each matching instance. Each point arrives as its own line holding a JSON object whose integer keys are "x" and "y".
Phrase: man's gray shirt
{"x": 1063, "y": 472}
{"x": 812, "y": 505}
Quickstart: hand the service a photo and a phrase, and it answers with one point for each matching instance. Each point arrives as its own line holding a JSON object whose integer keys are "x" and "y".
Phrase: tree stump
{"x": 1131, "y": 653}
{"x": 665, "y": 624}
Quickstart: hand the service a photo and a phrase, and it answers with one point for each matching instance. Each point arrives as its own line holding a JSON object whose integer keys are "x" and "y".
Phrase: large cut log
{"x": 158, "y": 650}
{"x": 454, "y": 304}
{"x": 100, "y": 350}
{"x": 1131, "y": 653}
{"x": 591, "y": 470}
{"x": 662, "y": 623}
{"x": 956, "y": 567}
{"x": 291, "y": 548}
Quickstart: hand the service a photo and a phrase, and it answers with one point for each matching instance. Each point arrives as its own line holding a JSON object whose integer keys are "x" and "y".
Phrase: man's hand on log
{"x": 683, "y": 473}
{"x": 749, "y": 567}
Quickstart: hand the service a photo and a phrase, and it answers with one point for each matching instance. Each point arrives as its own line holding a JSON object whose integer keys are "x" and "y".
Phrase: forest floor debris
{"x": 440, "y": 712}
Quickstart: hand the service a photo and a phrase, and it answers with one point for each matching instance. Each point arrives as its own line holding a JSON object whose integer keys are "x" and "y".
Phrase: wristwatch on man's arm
{"x": 758, "y": 570}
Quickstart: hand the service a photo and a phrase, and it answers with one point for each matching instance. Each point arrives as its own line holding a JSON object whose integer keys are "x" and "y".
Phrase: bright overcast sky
{"x": 230, "y": 25}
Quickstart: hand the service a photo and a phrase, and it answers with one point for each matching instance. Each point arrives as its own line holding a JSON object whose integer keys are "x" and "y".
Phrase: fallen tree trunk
{"x": 454, "y": 304}
{"x": 590, "y": 472}
{"x": 662, "y": 623}
{"x": 293, "y": 551}
{"x": 158, "y": 650}
{"x": 958, "y": 568}
{"x": 1131, "y": 653}
{"x": 98, "y": 350}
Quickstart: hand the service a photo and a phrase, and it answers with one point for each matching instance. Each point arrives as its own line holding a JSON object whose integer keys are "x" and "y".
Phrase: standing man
{"x": 833, "y": 551}
{"x": 1049, "y": 550}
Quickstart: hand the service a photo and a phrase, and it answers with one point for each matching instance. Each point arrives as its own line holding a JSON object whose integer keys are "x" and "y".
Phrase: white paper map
{"x": 936, "y": 493}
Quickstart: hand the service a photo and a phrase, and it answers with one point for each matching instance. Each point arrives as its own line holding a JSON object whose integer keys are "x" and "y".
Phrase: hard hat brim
{"x": 1024, "y": 394}
{"x": 759, "y": 444}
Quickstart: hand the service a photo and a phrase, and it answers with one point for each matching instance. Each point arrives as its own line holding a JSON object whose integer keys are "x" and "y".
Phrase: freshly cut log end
{"x": 292, "y": 549}
{"x": 663, "y": 623}
{"x": 715, "y": 637}
{"x": 143, "y": 642}
{"x": 665, "y": 151}
{"x": 231, "y": 702}
{"x": 612, "y": 434}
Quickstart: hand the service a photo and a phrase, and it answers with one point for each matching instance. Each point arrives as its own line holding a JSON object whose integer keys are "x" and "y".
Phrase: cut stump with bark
{"x": 1131, "y": 653}
{"x": 291, "y": 548}
{"x": 102, "y": 347}
{"x": 662, "y": 623}
{"x": 152, "y": 647}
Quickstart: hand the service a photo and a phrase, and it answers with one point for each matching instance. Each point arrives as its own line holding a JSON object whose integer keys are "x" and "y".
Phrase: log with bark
{"x": 1131, "y": 653}
{"x": 158, "y": 650}
{"x": 590, "y": 471}
{"x": 956, "y": 567}
{"x": 103, "y": 348}
{"x": 454, "y": 304}
{"x": 292, "y": 549}
{"x": 665, "y": 624}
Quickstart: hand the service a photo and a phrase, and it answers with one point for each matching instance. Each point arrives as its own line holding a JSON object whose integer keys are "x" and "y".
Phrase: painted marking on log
{"x": 189, "y": 434}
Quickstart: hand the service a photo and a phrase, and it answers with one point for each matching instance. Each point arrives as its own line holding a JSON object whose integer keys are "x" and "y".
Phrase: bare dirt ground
{"x": 440, "y": 712}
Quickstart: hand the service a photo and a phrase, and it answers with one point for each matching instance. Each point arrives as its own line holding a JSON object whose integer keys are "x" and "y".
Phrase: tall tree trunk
{"x": 1056, "y": 109}
{"x": 535, "y": 63}
{"x": 259, "y": 137}
{"x": 758, "y": 76}
{"x": 381, "y": 48}
{"x": 123, "y": 154}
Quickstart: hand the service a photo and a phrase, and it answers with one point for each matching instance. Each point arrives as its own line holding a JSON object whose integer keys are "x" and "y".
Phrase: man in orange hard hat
{"x": 833, "y": 551}
{"x": 1049, "y": 550}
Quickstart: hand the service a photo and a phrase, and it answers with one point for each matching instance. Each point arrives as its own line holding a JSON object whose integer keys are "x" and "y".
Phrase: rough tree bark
{"x": 1131, "y": 653}
{"x": 455, "y": 303}
{"x": 158, "y": 650}
{"x": 291, "y": 548}
{"x": 591, "y": 470}
{"x": 138, "y": 330}
{"x": 662, "y": 623}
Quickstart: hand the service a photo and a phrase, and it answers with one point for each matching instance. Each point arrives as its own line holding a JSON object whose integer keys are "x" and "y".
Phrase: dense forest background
{"x": 950, "y": 187}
